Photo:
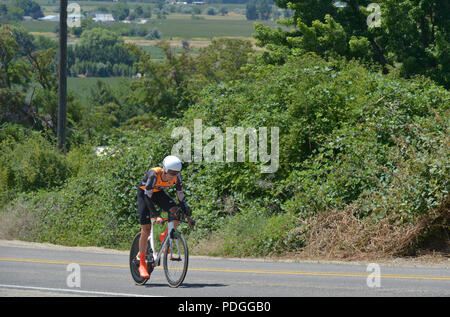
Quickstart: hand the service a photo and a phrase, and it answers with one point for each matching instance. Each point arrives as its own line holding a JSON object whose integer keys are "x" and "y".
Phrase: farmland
{"x": 175, "y": 26}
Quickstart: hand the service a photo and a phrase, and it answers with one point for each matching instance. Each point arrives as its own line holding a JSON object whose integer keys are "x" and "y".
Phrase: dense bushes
{"x": 28, "y": 162}
{"x": 349, "y": 137}
{"x": 352, "y": 142}
{"x": 99, "y": 69}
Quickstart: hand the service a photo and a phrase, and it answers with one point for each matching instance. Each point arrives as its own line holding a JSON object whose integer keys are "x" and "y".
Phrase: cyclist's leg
{"x": 172, "y": 215}
{"x": 145, "y": 220}
{"x": 143, "y": 241}
{"x": 166, "y": 203}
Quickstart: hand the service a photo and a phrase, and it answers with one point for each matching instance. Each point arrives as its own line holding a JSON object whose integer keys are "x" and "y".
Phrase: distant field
{"x": 208, "y": 28}
{"x": 178, "y": 26}
{"x": 199, "y": 33}
{"x": 39, "y": 26}
{"x": 82, "y": 86}
{"x": 93, "y": 5}
{"x": 158, "y": 53}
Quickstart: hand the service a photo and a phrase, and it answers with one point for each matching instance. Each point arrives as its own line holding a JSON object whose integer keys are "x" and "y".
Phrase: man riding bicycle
{"x": 150, "y": 192}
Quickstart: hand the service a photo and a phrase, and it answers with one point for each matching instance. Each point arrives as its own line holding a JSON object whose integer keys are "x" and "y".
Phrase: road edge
{"x": 397, "y": 262}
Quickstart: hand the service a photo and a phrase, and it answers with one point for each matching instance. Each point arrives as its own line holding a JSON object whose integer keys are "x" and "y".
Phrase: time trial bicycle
{"x": 173, "y": 251}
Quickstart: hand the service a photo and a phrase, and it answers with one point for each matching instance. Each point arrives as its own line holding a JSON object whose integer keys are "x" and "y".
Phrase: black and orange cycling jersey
{"x": 150, "y": 192}
{"x": 152, "y": 182}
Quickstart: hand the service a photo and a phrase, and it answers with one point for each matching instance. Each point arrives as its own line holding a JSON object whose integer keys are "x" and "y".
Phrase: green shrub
{"x": 256, "y": 233}
{"x": 29, "y": 162}
{"x": 348, "y": 137}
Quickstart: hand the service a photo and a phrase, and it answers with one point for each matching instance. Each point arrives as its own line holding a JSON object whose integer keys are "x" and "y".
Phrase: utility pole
{"x": 62, "y": 91}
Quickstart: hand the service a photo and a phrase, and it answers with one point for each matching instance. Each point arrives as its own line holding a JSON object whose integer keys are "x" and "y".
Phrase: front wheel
{"x": 176, "y": 259}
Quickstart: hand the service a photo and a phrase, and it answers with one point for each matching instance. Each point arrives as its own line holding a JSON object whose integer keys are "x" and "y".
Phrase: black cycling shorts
{"x": 160, "y": 198}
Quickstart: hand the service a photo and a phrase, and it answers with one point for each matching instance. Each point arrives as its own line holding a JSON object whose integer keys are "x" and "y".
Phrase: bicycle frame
{"x": 151, "y": 240}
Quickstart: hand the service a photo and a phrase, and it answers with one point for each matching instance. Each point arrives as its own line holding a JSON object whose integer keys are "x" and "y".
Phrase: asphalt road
{"x": 41, "y": 270}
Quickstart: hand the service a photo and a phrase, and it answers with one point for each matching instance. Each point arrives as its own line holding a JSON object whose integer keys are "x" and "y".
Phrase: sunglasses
{"x": 173, "y": 172}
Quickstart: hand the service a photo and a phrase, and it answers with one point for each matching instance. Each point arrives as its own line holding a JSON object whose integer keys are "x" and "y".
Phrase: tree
{"x": 28, "y": 84}
{"x": 222, "y": 60}
{"x": 139, "y": 11}
{"x": 251, "y": 12}
{"x": 98, "y": 47}
{"x": 30, "y": 8}
{"x": 414, "y": 35}
{"x": 165, "y": 89}
{"x": 120, "y": 11}
{"x": 264, "y": 9}
{"x": 14, "y": 71}
{"x": 211, "y": 11}
{"x": 223, "y": 10}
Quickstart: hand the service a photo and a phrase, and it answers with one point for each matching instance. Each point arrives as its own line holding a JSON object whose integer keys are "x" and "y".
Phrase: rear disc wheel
{"x": 134, "y": 262}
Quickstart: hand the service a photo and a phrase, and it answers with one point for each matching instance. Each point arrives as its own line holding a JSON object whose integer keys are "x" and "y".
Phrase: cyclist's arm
{"x": 180, "y": 195}
{"x": 150, "y": 180}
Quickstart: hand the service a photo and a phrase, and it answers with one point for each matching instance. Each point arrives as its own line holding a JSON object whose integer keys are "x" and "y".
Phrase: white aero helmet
{"x": 171, "y": 163}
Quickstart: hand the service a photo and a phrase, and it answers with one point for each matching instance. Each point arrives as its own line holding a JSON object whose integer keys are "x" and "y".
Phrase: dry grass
{"x": 212, "y": 246}
{"x": 16, "y": 221}
{"x": 340, "y": 235}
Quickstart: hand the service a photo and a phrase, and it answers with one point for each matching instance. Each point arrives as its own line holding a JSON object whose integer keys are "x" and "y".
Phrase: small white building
{"x": 55, "y": 18}
{"x": 52, "y": 18}
{"x": 104, "y": 17}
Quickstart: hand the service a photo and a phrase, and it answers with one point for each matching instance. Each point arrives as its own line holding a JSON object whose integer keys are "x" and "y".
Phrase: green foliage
{"x": 348, "y": 137}
{"x": 343, "y": 132}
{"x": 120, "y": 11}
{"x": 16, "y": 10}
{"x": 167, "y": 88}
{"x": 14, "y": 72}
{"x": 371, "y": 158}
{"x": 97, "y": 205}
{"x": 163, "y": 88}
{"x": 10, "y": 13}
{"x": 101, "y": 53}
{"x": 30, "y": 8}
{"x": 413, "y": 35}
{"x": 28, "y": 83}
{"x": 256, "y": 234}
{"x": 29, "y": 162}
{"x": 261, "y": 9}
{"x": 222, "y": 60}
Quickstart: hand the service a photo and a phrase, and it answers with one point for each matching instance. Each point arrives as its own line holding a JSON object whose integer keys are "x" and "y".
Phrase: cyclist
{"x": 151, "y": 192}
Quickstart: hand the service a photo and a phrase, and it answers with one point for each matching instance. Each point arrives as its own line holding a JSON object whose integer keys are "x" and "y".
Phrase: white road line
{"x": 74, "y": 291}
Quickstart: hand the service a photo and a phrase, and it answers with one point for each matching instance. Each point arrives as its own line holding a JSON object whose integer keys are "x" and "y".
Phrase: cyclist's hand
{"x": 185, "y": 208}
{"x": 191, "y": 222}
{"x": 159, "y": 220}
